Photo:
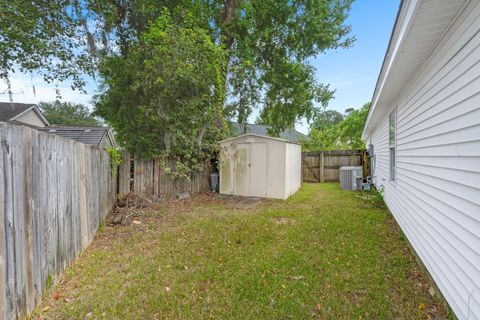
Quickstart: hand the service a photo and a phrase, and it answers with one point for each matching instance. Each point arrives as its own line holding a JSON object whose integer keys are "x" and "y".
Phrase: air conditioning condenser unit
{"x": 351, "y": 178}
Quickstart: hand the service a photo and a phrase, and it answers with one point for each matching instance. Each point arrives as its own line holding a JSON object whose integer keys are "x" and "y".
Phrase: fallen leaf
{"x": 167, "y": 289}
{"x": 431, "y": 291}
{"x": 136, "y": 222}
{"x": 46, "y": 308}
{"x": 57, "y": 295}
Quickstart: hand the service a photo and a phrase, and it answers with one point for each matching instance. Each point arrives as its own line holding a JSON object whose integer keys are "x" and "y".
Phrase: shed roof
{"x": 262, "y": 130}
{"x": 88, "y": 134}
{"x": 259, "y": 136}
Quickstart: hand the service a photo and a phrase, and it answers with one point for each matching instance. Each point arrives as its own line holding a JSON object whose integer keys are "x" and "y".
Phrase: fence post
{"x": 156, "y": 173}
{"x": 322, "y": 167}
{"x": 3, "y": 291}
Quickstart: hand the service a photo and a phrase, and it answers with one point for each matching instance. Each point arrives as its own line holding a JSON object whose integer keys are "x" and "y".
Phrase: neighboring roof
{"x": 87, "y": 134}
{"x": 257, "y": 135}
{"x": 419, "y": 28}
{"x": 262, "y": 130}
{"x": 9, "y": 111}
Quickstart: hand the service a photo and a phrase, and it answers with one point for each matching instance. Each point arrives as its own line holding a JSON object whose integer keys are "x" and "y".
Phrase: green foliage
{"x": 165, "y": 98}
{"x": 291, "y": 96}
{"x": 266, "y": 45}
{"x": 67, "y": 114}
{"x": 50, "y": 281}
{"x": 345, "y": 135}
{"x": 269, "y": 44}
{"x": 374, "y": 197}
{"x": 326, "y": 118}
{"x": 101, "y": 227}
{"x": 46, "y": 37}
{"x": 235, "y": 55}
{"x": 115, "y": 157}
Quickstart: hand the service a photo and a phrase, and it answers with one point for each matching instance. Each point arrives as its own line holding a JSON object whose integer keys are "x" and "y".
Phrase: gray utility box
{"x": 351, "y": 178}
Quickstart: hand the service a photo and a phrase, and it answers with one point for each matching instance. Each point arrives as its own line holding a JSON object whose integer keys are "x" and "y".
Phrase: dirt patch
{"x": 139, "y": 209}
{"x": 247, "y": 203}
{"x": 284, "y": 220}
{"x": 238, "y": 202}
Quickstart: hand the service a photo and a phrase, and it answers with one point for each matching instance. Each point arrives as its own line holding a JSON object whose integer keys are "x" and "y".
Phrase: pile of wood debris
{"x": 132, "y": 204}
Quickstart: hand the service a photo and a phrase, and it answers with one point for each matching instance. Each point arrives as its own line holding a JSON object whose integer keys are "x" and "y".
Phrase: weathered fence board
{"x": 54, "y": 192}
{"x": 143, "y": 178}
{"x": 3, "y": 220}
{"x": 149, "y": 178}
{"x": 124, "y": 178}
{"x": 324, "y": 166}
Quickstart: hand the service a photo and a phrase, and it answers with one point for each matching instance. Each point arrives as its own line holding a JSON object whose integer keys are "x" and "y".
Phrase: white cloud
{"x": 33, "y": 89}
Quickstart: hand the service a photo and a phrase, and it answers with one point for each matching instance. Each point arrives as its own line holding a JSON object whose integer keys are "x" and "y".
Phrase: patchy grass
{"x": 324, "y": 253}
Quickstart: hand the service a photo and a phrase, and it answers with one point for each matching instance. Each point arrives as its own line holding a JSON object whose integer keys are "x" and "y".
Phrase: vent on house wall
{"x": 351, "y": 178}
{"x": 370, "y": 150}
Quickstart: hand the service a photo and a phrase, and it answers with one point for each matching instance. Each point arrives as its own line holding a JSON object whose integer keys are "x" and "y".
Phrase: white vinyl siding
{"x": 392, "y": 140}
{"x": 436, "y": 195}
{"x": 32, "y": 118}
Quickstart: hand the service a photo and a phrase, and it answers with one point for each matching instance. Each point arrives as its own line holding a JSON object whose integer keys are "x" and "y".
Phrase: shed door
{"x": 242, "y": 172}
{"x": 258, "y": 170}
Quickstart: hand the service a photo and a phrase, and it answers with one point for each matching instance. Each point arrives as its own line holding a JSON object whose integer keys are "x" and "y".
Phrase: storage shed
{"x": 260, "y": 166}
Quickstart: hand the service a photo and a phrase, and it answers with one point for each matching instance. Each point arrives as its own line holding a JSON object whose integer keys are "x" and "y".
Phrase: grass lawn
{"x": 324, "y": 253}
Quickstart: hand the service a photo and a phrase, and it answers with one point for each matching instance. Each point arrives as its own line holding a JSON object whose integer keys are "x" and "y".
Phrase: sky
{"x": 351, "y": 72}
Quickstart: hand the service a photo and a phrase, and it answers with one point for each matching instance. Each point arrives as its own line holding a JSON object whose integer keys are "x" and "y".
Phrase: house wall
{"x": 31, "y": 117}
{"x": 436, "y": 195}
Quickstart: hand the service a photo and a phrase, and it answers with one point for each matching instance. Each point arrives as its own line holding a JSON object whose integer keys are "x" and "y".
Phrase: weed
{"x": 373, "y": 197}
{"x": 101, "y": 226}
{"x": 50, "y": 281}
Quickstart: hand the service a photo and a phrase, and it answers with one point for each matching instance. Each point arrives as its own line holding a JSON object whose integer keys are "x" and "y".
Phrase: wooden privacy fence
{"x": 148, "y": 177}
{"x": 324, "y": 166}
{"x": 54, "y": 193}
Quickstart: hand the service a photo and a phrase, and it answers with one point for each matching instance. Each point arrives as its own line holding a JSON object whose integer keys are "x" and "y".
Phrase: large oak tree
{"x": 266, "y": 46}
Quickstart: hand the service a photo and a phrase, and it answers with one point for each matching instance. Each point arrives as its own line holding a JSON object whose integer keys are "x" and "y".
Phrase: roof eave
{"x": 405, "y": 14}
{"x": 259, "y": 136}
{"x": 42, "y": 117}
{"x": 36, "y": 110}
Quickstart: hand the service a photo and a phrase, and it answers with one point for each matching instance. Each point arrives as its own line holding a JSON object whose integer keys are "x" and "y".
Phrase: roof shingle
{"x": 9, "y": 110}
{"x": 87, "y": 135}
{"x": 259, "y": 129}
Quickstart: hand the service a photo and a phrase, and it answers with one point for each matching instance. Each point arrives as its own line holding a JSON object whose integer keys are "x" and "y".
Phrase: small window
{"x": 392, "y": 141}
